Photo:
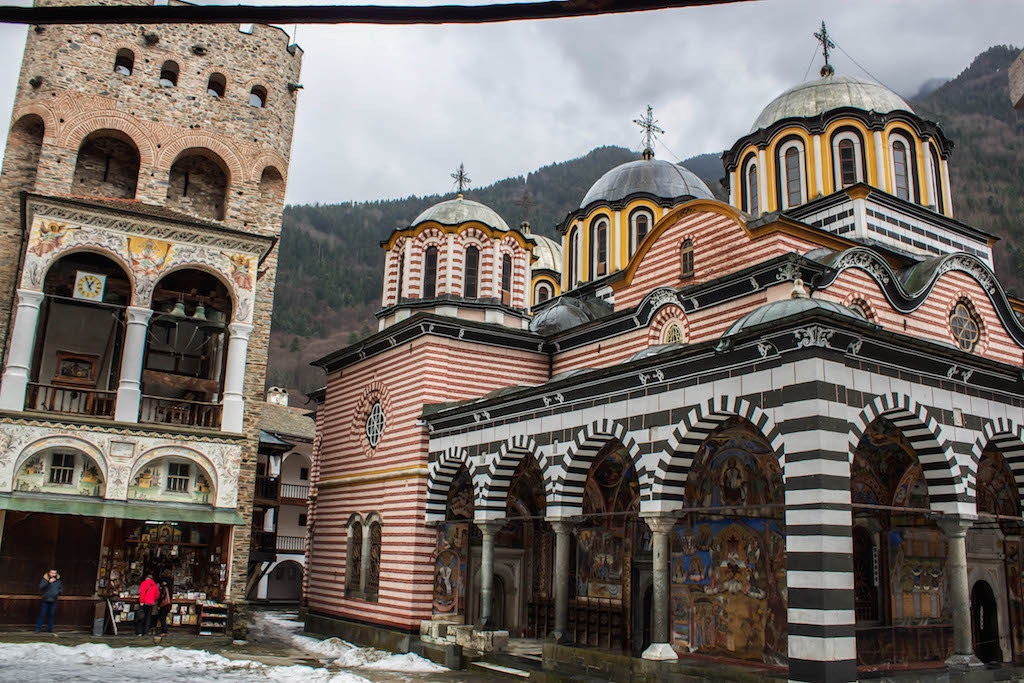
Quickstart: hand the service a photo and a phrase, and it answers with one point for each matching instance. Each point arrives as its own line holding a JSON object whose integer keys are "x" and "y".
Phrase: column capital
{"x": 240, "y": 330}
{"x": 138, "y": 315}
{"x": 489, "y": 527}
{"x": 660, "y": 523}
{"x": 561, "y": 525}
{"x": 956, "y": 526}
{"x": 30, "y": 297}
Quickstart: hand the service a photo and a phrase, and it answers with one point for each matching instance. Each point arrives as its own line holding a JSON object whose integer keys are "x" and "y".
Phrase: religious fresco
{"x": 900, "y": 581}
{"x": 451, "y": 554}
{"x": 33, "y": 477}
{"x": 728, "y": 571}
{"x": 149, "y": 484}
{"x": 998, "y": 495}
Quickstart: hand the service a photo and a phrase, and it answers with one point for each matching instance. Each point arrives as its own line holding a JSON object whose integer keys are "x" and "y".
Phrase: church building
{"x": 783, "y": 431}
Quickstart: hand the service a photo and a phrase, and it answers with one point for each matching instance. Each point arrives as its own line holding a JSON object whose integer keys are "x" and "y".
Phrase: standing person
{"x": 165, "y": 605}
{"x": 50, "y": 589}
{"x": 148, "y": 594}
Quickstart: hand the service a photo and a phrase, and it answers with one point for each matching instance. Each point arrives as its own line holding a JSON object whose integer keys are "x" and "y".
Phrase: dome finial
{"x": 649, "y": 124}
{"x": 461, "y": 178}
{"x": 826, "y": 45}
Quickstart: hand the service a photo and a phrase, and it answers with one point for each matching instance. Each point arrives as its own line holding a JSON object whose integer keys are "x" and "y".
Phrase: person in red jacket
{"x": 149, "y": 592}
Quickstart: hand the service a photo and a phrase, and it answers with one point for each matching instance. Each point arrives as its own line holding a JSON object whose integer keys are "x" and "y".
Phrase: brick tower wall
{"x": 68, "y": 89}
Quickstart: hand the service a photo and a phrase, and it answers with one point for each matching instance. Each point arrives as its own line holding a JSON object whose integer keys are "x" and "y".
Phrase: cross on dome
{"x": 461, "y": 178}
{"x": 649, "y": 125}
{"x": 826, "y": 45}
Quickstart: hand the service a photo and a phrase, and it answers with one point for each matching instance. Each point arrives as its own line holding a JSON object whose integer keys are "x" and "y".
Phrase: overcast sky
{"x": 391, "y": 111}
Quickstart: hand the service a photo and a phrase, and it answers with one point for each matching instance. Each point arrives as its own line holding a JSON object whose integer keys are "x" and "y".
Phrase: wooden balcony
{"x": 291, "y": 544}
{"x": 294, "y": 493}
{"x": 70, "y": 400}
{"x": 267, "y": 490}
{"x": 262, "y": 546}
{"x": 179, "y": 412}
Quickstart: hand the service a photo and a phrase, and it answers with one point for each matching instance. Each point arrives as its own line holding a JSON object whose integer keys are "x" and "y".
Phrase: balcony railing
{"x": 295, "y": 491}
{"x": 266, "y": 487}
{"x": 178, "y": 411}
{"x": 71, "y": 400}
{"x": 291, "y": 544}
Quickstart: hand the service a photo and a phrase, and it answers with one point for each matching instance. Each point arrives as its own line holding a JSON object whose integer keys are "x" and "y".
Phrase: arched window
{"x": 169, "y": 74}
{"x": 673, "y": 334}
{"x": 574, "y": 243}
{"x": 846, "y": 160}
{"x": 124, "y": 62}
{"x": 599, "y": 248}
{"x": 258, "y": 96}
{"x": 472, "y": 276}
{"x": 354, "y": 556}
{"x": 686, "y": 259}
{"x": 506, "y": 279}
{"x": 542, "y": 293}
{"x": 272, "y": 185}
{"x": 753, "y": 198}
{"x": 24, "y": 148}
{"x": 861, "y": 308}
{"x": 793, "y": 177}
{"x": 901, "y": 177}
{"x": 373, "y": 568}
{"x": 964, "y": 326}
{"x": 401, "y": 277}
{"x": 107, "y": 166}
{"x": 940, "y": 202}
{"x": 198, "y": 184}
{"x": 641, "y": 225}
{"x": 430, "y": 273}
{"x": 216, "y": 85}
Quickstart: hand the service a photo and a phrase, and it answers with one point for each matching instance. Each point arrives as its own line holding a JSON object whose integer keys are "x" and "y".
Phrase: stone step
{"x": 501, "y": 670}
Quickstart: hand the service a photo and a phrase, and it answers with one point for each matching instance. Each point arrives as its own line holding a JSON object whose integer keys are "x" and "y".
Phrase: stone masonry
{"x": 70, "y": 95}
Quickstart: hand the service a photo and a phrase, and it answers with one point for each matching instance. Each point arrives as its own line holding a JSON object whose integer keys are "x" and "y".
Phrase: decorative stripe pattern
{"x": 1009, "y": 439}
{"x": 441, "y": 472}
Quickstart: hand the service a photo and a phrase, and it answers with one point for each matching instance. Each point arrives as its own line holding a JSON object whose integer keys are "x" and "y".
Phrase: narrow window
{"x": 401, "y": 277}
{"x": 177, "y": 476}
{"x": 573, "y": 247}
{"x": 303, "y": 518}
{"x": 794, "y": 191}
{"x": 169, "y": 74}
{"x": 847, "y": 163}
{"x": 216, "y": 86}
{"x": 430, "y": 273}
{"x": 354, "y": 555}
{"x": 506, "y": 279}
{"x": 303, "y": 474}
{"x": 373, "y": 572}
{"x": 599, "y": 242}
{"x": 641, "y": 226}
{"x": 124, "y": 62}
{"x": 258, "y": 96}
{"x": 686, "y": 259}
{"x": 899, "y": 168}
{"x": 543, "y": 293}
{"x": 62, "y": 468}
{"x": 753, "y": 202}
{"x": 472, "y": 272}
{"x": 937, "y": 175}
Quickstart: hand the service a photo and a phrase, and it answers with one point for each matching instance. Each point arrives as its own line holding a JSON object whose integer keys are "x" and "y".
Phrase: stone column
{"x": 929, "y": 176}
{"x": 762, "y": 182}
{"x": 819, "y": 167}
{"x": 19, "y": 357}
{"x": 955, "y": 528}
{"x": 129, "y": 389}
{"x": 560, "y": 578}
{"x": 881, "y": 177}
{"x": 487, "y": 531}
{"x": 234, "y": 377}
{"x": 661, "y": 647}
{"x": 495, "y": 270}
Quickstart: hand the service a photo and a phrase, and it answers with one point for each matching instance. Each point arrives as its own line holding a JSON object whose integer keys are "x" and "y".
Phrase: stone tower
{"x": 161, "y": 122}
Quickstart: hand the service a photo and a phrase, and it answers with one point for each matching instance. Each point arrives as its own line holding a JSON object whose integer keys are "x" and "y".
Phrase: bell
{"x": 200, "y": 313}
{"x": 179, "y": 309}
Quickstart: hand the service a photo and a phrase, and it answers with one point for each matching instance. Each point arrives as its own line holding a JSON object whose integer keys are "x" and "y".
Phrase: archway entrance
{"x": 285, "y": 582}
{"x": 728, "y": 553}
{"x": 900, "y": 583}
{"x": 984, "y": 623}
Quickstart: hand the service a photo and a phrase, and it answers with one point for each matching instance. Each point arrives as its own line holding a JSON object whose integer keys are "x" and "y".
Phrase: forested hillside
{"x": 329, "y": 277}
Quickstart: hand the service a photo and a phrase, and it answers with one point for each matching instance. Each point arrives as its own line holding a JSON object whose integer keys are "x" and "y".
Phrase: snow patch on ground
{"x": 282, "y": 626}
{"x": 100, "y": 663}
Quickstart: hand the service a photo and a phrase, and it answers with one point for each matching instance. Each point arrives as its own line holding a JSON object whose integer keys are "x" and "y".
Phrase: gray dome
{"x": 785, "y": 308}
{"x": 655, "y": 350}
{"x": 548, "y": 253}
{"x": 823, "y": 94}
{"x": 568, "y": 312}
{"x": 461, "y": 210}
{"x": 654, "y": 176}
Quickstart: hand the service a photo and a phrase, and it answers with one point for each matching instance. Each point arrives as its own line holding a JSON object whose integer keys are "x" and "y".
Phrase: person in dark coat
{"x": 164, "y": 603}
{"x": 148, "y": 594}
{"x": 50, "y": 589}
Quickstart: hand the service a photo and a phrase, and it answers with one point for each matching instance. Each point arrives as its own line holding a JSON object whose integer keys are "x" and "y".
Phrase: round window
{"x": 375, "y": 424}
{"x": 964, "y": 326}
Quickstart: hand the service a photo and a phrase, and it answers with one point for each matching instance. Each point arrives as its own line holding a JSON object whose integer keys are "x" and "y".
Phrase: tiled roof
{"x": 287, "y": 421}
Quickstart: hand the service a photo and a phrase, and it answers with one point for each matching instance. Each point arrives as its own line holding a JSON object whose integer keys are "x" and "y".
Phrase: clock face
{"x": 89, "y": 286}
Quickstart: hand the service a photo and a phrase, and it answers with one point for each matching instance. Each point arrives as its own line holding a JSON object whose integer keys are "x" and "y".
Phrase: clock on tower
{"x": 89, "y": 286}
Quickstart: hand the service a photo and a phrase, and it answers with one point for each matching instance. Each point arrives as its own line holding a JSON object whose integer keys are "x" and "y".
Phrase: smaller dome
{"x": 461, "y": 210}
{"x": 655, "y": 350}
{"x": 786, "y": 308}
{"x": 831, "y": 92}
{"x": 548, "y": 253}
{"x": 653, "y": 176}
{"x": 567, "y": 312}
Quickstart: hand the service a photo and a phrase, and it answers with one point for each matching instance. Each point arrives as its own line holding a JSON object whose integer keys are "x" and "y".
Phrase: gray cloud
{"x": 389, "y": 111}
